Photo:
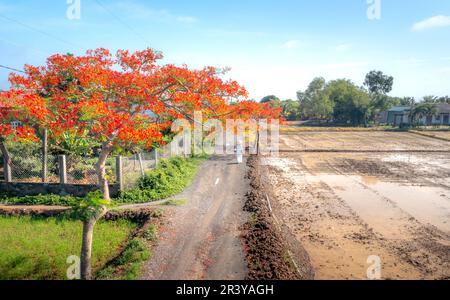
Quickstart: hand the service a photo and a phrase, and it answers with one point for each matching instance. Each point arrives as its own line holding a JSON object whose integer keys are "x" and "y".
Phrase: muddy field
{"x": 344, "y": 207}
{"x": 361, "y": 141}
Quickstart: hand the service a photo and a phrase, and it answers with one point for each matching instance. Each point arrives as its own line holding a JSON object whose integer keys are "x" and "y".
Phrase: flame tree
{"x": 121, "y": 99}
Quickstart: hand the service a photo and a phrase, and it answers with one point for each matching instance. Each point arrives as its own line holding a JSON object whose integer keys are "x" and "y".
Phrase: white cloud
{"x": 433, "y": 22}
{"x": 291, "y": 44}
{"x": 285, "y": 80}
{"x": 343, "y": 47}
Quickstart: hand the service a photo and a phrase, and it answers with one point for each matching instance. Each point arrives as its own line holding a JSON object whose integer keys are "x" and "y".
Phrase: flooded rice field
{"x": 346, "y": 207}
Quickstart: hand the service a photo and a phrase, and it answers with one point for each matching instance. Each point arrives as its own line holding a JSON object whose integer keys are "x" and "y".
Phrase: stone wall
{"x": 78, "y": 190}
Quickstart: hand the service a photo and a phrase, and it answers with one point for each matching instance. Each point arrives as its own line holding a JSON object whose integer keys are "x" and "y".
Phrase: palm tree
{"x": 423, "y": 110}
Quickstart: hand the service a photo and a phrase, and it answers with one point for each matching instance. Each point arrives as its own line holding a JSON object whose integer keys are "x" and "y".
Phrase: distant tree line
{"x": 341, "y": 101}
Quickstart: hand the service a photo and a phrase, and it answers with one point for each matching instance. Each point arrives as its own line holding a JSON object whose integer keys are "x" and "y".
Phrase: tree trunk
{"x": 88, "y": 225}
{"x": 44, "y": 155}
{"x": 101, "y": 169}
{"x": 141, "y": 164}
{"x": 6, "y": 160}
{"x": 86, "y": 248}
{"x": 5, "y": 152}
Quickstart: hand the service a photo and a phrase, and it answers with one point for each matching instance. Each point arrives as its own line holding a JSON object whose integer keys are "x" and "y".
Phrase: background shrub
{"x": 171, "y": 177}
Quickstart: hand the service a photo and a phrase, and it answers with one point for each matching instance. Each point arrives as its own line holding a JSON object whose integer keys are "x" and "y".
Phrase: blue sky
{"x": 273, "y": 47}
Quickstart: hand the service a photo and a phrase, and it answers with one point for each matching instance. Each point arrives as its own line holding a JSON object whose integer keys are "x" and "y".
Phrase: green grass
{"x": 171, "y": 177}
{"x": 151, "y": 233}
{"x": 39, "y": 200}
{"x": 432, "y": 128}
{"x": 128, "y": 265}
{"x": 37, "y": 248}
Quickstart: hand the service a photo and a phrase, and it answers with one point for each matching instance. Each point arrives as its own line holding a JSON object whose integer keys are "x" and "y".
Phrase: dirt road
{"x": 202, "y": 238}
{"x": 345, "y": 207}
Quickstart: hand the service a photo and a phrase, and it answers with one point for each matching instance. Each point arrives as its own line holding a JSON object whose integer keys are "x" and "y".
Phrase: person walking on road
{"x": 239, "y": 152}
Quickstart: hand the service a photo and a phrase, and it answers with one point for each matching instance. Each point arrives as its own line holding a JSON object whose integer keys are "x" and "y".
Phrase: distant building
{"x": 400, "y": 115}
{"x": 443, "y": 116}
{"x": 16, "y": 124}
{"x": 395, "y": 116}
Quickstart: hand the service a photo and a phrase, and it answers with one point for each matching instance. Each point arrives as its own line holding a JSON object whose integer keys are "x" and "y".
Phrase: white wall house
{"x": 400, "y": 115}
{"x": 441, "y": 118}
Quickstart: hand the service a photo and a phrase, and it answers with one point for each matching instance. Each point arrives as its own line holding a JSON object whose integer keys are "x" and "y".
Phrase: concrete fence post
{"x": 7, "y": 170}
{"x": 156, "y": 158}
{"x": 62, "y": 169}
{"x": 119, "y": 172}
{"x": 141, "y": 164}
{"x": 44, "y": 156}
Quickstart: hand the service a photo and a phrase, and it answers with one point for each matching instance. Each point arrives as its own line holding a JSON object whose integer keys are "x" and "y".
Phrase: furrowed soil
{"x": 392, "y": 201}
{"x": 361, "y": 141}
{"x": 268, "y": 251}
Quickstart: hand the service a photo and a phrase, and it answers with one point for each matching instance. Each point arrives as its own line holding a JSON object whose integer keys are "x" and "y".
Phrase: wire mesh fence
{"x": 81, "y": 170}
{"x": 29, "y": 168}
{"x": 26, "y": 168}
{"x": 52, "y": 174}
{"x": 2, "y": 168}
{"x": 135, "y": 166}
{"x": 27, "y": 165}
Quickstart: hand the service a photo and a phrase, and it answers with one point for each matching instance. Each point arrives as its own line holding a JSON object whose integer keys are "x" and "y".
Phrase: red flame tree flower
{"x": 26, "y": 108}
